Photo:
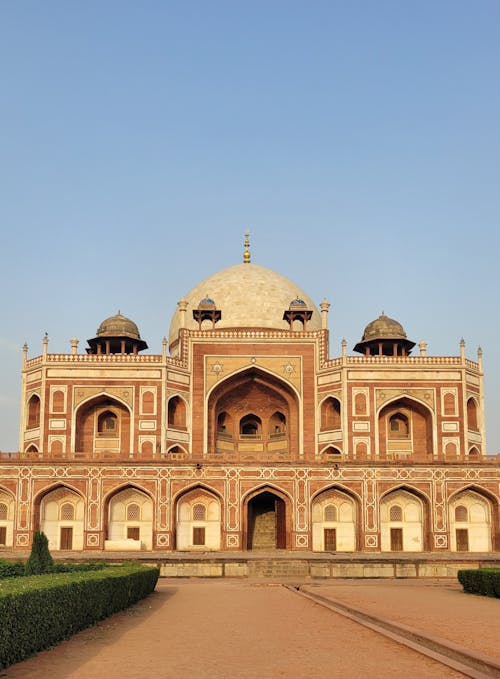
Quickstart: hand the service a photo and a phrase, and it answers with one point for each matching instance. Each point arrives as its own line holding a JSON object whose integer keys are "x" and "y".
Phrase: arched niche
{"x": 405, "y": 430}
{"x": 129, "y": 520}
{"x": 253, "y": 410}
{"x": 103, "y": 428}
{"x": 334, "y": 522}
{"x": 61, "y": 518}
{"x": 403, "y": 519}
{"x": 470, "y": 515}
{"x": 177, "y": 413}
{"x": 198, "y": 520}
{"x": 267, "y": 519}
{"x": 7, "y": 509}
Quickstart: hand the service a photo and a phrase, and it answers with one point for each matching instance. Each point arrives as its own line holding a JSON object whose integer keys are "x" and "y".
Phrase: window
{"x": 133, "y": 512}
{"x": 250, "y": 426}
{"x": 176, "y": 413}
{"x": 198, "y": 535}
{"x": 3, "y": 511}
{"x": 34, "y": 412}
{"x": 199, "y": 512}
{"x": 107, "y": 424}
{"x": 395, "y": 513}
{"x": 67, "y": 512}
{"x": 330, "y": 513}
{"x": 461, "y": 513}
{"x": 330, "y": 414}
{"x": 398, "y": 426}
{"x": 133, "y": 532}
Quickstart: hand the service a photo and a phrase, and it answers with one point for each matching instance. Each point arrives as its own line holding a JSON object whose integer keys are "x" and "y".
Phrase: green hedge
{"x": 37, "y": 612}
{"x": 11, "y": 569}
{"x": 485, "y": 581}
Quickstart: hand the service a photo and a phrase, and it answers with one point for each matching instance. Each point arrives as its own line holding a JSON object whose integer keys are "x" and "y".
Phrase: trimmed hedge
{"x": 39, "y": 611}
{"x": 11, "y": 569}
{"x": 484, "y": 581}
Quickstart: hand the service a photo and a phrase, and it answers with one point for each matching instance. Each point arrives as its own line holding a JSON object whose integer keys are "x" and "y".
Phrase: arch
{"x": 474, "y": 453}
{"x": 31, "y": 450}
{"x": 60, "y": 512}
{"x": 58, "y": 401}
{"x": 471, "y": 523}
{"x": 7, "y": 506}
{"x": 399, "y": 426}
{"x": 177, "y": 450}
{"x": 472, "y": 410}
{"x": 418, "y": 442}
{"x": 261, "y": 412}
{"x": 449, "y": 403}
{"x": 330, "y": 410}
{"x": 102, "y": 426}
{"x": 129, "y": 530}
{"x": 266, "y": 519}
{"x": 334, "y": 521}
{"x": 176, "y": 413}
{"x": 331, "y": 452}
{"x": 403, "y": 520}
{"x": 33, "y": 412}
{"x": 360, "y": 403}
{"x": 198, "y": 512}
{"x": 148, "y": 402}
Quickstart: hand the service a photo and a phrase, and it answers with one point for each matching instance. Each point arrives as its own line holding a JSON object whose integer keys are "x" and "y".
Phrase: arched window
{"x": 360, "y": 404}
{"x": 224, "y": 425}
{"x": 4, "y": 511}
{"x": 398, "y": 426}
{"x": 148, "y": 403}
{"x": 67, "y": 512}
{"x": 176, "y": 413}
{"x": 330, "y": 513}
{"x": 133, "y": 512}
{"x": 251, "y": 426}
{"x": 461, "y": 513}
{"x": 199, "y": 512}
{"x": 277, "y": 424}
{"x": 58, "y": 401}
{"x": 107, "y": 424}
{"x": 473, "y": 452}
{"x": 395, "y": 513}
{"x": 34, "y": 412}
{"x": 472, "y": 415}
{"x": 330, "y": 414}
{"x": 449, "y": 404}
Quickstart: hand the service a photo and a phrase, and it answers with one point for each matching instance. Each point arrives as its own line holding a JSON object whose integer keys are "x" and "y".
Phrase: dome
{"x": 383, "y": 327}
{"x": 118, "y": 326}
{"x": 248, "y": 296}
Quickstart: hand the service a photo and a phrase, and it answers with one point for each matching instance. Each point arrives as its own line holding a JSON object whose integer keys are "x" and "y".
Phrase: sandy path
{"x": 227, "y": 629}
{"x": 438, "y": 608}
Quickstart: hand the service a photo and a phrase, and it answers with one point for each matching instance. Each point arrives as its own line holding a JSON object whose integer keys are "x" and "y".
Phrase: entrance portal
{"x": 266, "y": 528}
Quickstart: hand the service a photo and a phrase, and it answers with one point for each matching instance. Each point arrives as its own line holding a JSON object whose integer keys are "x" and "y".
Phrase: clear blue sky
{"x": 358, "y": 141}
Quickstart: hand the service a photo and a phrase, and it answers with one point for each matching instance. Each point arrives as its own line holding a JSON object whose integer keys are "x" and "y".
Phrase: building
{"x": 244, "y": 434}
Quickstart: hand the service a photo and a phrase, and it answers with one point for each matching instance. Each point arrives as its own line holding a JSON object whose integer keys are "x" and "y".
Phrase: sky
{"x": 358, "y": 142}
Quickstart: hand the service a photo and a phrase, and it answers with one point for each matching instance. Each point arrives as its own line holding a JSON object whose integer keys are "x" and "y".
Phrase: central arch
{"x": 266, "y": 520}
{"x": 255, "y": 415}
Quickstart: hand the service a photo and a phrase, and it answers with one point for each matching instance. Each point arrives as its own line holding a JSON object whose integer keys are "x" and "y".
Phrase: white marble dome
{"x": 249, "y": 296}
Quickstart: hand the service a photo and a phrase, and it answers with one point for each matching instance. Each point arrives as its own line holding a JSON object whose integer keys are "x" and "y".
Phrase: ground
{"x": 224, "y": 628}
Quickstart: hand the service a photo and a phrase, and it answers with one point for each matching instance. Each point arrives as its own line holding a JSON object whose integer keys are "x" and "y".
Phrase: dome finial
{"x": 246, "y": 254}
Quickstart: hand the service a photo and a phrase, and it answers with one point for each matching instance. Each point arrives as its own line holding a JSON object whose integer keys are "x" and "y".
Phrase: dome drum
{"x": 384, "y": 337}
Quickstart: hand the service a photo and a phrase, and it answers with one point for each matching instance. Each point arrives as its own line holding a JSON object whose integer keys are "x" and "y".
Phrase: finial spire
{"x": 246, "y": 254}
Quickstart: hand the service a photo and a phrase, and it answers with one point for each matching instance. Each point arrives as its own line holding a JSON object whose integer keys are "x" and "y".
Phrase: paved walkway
{"x": 235, "y": 629}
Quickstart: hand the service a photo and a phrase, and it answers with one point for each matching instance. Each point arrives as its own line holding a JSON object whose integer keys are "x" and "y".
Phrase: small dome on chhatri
{"x": 384, "y": 327}
{"x": 118, "y": 326}
{"x": 206, "y": 303}
{"x": 298, "y": 303}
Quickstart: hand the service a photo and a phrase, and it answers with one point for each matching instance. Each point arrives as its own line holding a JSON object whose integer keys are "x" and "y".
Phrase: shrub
{"x": 39, "y": 560}
{"x": 38, "y": 612}
{"x": 11, "y": 569}
{"x": 484, "y": 581}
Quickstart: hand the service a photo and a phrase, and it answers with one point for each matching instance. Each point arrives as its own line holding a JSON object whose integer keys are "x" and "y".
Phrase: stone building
{"x": 244, "y": 434}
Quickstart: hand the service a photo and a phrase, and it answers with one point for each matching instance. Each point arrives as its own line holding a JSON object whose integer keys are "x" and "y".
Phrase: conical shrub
{"x": 40, "y": 560}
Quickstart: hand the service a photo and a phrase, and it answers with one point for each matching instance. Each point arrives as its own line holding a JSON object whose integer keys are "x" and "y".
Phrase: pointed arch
{"x": 33, "y": 410}
{"x": 177, "y": 412}
{"x": 267, "y": 518}
{"x": 102, "y": 425}
{"x": 414, "y": 435}
{"x": 334, "y": 517}
{"x": 64, "y": 529}
{"x": 405, "y": 530}
{"x": 331, "y": 414}
{"x": 125, "y": 529}
{"x": 198, "y": 512}
{"x": 473, "y": 516}
{"x": 472, "y": 414}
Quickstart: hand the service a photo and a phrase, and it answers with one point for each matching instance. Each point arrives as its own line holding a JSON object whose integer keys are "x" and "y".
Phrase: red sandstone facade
{"x": 248, "y": 435}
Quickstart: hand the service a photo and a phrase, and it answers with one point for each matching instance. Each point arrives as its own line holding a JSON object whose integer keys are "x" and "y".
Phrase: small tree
{"x": 40, "y": 560}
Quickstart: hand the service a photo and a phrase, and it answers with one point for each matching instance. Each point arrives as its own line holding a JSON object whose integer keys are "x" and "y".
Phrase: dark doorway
{"x": 133, "y": 532}
{"x": 396, "y": 539}
{"x": 3, "y": 535}
{"x": 462, "y": 539}
{"x": 330, "y": 535}
{"x": 66, "y": 538}
{"x": 266, "y": 527}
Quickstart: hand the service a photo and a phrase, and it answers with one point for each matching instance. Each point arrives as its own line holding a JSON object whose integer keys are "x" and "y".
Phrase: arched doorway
{"x": 470, "y": 523}
{"x": 198, "y": 525}
{"x": 334, "y": 522}
{"x": 61, "y": 519}
{"x": 266, "y": 522}
{"x": 402, "y": 522}
{"x": 130, "y": 520}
